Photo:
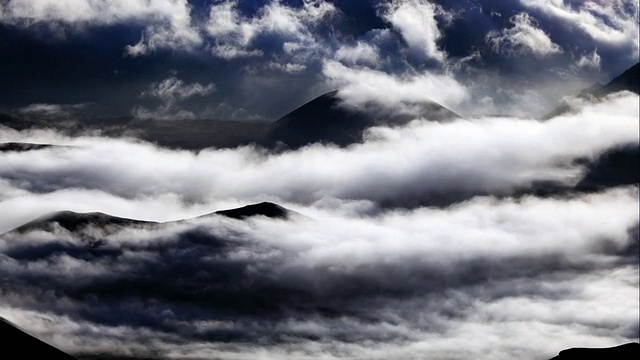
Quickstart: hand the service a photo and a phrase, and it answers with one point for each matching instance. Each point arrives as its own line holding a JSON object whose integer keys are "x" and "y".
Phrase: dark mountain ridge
{"x": 327, "y": 119}
{"x": 84, "y": 223}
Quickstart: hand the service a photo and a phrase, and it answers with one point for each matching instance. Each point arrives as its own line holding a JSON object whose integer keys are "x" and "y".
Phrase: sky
{"x": 258, "y": 60}
{"x": 430, "y": 239}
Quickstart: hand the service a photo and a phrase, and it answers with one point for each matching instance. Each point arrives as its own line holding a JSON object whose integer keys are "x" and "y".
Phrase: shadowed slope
{"x": 326, "y": 119}
{"x": 17, "y": 344}
{"x": 73, "y": 221}
{"x": 628, "y": 80}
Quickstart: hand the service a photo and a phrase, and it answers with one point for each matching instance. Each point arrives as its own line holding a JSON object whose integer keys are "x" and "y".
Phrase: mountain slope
{"x": 86, "y": 224}
{"x": 629, "y": 80}
{"x": 623, "y": 352}
{"x": 326, "y": 119}
{"x": 17, "y": 344}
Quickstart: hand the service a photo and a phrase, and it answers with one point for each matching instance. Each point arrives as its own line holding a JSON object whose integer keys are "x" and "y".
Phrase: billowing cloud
{"x": 226, "y": 288}
{"x": 235, "y": 34}
{"x": 422, "y": 163}
{"x": 346, "y": 276}
{"x": 611, "y": 23}
{"x": 524, "y": 38}
{"x": 170, "y": 24}
{"x": 359, "y": 85}
{"x": 416, "y": 21}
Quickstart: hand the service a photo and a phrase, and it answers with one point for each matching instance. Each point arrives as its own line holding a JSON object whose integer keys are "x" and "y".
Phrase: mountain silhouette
{"x": 86, "y": 224}
{"x": 327, "y": 119}
{"x": 267, "y": 209}
{"x": 623, "y": 352}
{"x": 17, "y": 344}
{"x": 629, "y": 80}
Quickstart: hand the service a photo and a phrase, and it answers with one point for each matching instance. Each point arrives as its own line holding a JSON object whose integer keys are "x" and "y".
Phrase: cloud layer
{"x": 349, "y": 276}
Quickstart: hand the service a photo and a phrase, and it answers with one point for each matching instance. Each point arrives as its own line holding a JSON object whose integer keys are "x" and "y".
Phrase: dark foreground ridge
{"x": 17, "y": 344}
{"x": 623, "y": 352}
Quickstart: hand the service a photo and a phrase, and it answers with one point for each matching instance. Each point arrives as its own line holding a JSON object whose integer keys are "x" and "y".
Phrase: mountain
{"x": 267, "y": 209}
{"x": 623, "y": 352}
{"x": 78, "y": 222}
{"x": 90, "y": 226}
{"x": 17, "y": 344}
{"x": 629, "y": 80}
{"x": 20, "y": 146}
{"x": 616, "y": 167}
{"x": 327, "y": 119}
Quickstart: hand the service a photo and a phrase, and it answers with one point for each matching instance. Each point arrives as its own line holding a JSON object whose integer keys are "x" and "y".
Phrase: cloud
{"x": 349, "y": 277}
{"x": 591, "y": 60}
{"x": 423, "y": 163}
{"x": 235, "y": 34}
{"x": 271, "y": 287}
{"x": 359, "y": 85}
{"x": 168, "y": 22}
{"x": 171, "y": 91}
{"x": 610, "y": 23}
{"x": 524, "y": 38}
{"x": 52, "y": 109}
{"x": 416, "y": 21}
{"x": 360, "y": 53}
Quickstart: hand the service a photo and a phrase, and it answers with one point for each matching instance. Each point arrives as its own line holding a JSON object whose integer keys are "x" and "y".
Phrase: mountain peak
{"x": 267, "y": 209}
{"x": 328, "y": 119}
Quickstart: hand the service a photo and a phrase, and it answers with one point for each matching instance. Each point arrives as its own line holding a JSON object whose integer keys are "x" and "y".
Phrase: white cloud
{"x": 416, "y": 21}
{"x": 401, "y": 165}
{"x": 234, "y": 34}
{"x": 591, "y": 60}
{"x": 169, "y": 21}
{"x": 522, "y": 39}
{"x": 612, "y": 23}
{"x": 361, "y": 85}
{"x": 360, "y": 53}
